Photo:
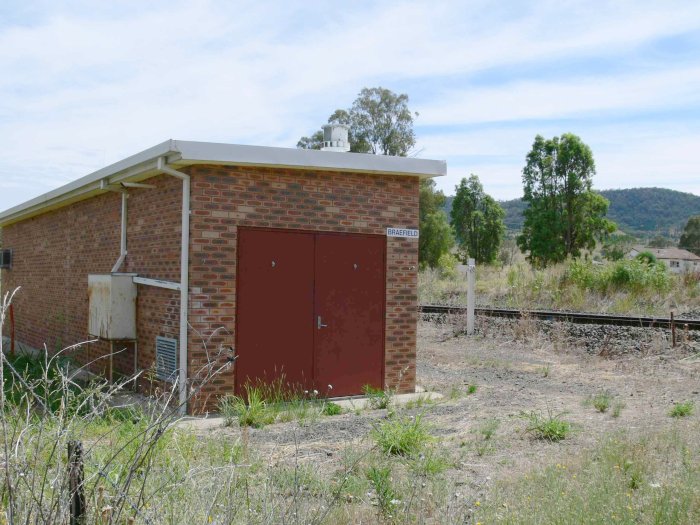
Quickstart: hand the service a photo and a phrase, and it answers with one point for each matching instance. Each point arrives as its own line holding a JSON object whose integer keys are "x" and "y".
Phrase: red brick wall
{"x": 153, "y": 244}
{"x": 54, "y": 253}
{"x": 224, "y": 198}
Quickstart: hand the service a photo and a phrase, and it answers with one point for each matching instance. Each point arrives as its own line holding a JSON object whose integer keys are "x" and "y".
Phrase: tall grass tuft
{"x": 549, "y": 427}
{"x": 402, "y": 435}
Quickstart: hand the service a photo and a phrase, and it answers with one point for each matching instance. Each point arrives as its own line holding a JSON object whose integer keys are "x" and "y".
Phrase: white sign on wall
{"x": 401, "y": 232}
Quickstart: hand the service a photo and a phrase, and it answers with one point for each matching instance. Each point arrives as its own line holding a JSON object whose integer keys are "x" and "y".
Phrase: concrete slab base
{"x": 348, "y": 404}
{"x": 362, "y": 402}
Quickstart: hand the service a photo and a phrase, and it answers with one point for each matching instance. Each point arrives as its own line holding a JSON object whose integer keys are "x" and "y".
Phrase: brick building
{"x": 297, "y": 262}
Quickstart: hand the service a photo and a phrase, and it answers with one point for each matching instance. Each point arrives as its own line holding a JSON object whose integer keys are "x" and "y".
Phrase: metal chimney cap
{"x": 335, "y": 137}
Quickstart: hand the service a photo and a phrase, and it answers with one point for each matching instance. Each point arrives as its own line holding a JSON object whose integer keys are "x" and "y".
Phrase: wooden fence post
{"x": 75, "y": 482}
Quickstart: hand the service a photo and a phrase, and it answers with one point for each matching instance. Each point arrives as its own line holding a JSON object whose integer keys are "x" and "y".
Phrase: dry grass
{"x": 626, "y": 480}
{"x": 141, "y": 464}
{"x": 520, "y": 286}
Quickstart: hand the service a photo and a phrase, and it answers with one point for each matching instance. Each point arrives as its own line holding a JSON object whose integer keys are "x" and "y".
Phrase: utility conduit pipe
{"x": 122, "y": 244}
{"x": 184, "y": 276}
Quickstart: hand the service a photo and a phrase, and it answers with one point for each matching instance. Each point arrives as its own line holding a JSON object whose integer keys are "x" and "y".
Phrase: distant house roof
{"x": 668, "y": 253}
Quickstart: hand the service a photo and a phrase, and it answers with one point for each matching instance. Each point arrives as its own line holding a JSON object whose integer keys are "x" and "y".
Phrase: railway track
{"x": 572, "y": 317}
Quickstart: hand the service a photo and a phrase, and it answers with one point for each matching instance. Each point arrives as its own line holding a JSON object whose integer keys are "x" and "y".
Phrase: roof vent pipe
{"x": 335, "y": 137}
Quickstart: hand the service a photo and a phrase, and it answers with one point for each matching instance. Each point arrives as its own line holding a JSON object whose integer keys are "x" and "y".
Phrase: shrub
{"x": 228, "y": 409}
{"x": 402, "y": 436}
{"x": 447, "y": 266}
{"x": 627, "y": 274}
{"x": 646, "y": 258}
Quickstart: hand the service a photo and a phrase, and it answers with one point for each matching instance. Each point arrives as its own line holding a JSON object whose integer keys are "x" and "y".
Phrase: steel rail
{"x": 572, "y": 317}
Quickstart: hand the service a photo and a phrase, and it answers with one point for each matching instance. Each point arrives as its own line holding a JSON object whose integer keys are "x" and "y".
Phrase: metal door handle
{"x": 319, "y": 323}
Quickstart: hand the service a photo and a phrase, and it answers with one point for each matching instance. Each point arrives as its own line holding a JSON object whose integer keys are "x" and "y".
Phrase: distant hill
{"x": 637, "y": 211}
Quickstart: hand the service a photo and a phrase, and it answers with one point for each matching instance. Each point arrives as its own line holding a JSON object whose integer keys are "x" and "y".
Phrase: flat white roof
{"x": 181, "y": 153}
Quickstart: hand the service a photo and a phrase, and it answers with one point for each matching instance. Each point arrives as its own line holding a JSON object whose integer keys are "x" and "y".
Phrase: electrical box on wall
{"x": 5, "y": 259}
{"x": 112, "y": 306}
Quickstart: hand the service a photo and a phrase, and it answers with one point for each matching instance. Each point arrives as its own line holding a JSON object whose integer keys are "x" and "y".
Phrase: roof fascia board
{"x": 86, "y": 186}
{"x": 91, "y": 188}
{"x": 218, "y": 153}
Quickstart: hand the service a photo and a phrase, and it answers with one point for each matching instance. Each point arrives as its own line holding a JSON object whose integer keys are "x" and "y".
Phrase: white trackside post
{"x": 471, "y": 278}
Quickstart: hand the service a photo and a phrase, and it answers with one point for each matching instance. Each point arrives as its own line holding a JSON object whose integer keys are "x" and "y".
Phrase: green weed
{"x": 550, "y": 427}
{"x": 488, "y": 429}
{"x": 601, "y": 401}
{"x": 380, "y": 477}
{"x": 254, "y": 413}
{"x": 483, "y": 447}
{"x": 402, "y": 435}
{"x": 294, "y": 479}
{"x": 431, "y": 462}
{"x": 617, "y": 409}
{"x": 332, "y": 409}
{"x": 455, "y": 392}
{"x": 377, "y": 398}
{"x": 419, "y": 402}
{"x": 682, "y": 409}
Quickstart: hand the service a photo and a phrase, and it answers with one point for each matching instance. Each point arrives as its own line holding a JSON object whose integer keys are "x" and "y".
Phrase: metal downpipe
{"x": 184, "y": 278}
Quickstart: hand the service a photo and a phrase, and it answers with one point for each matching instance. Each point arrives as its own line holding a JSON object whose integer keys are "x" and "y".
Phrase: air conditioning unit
{"x": 112, "y": 306}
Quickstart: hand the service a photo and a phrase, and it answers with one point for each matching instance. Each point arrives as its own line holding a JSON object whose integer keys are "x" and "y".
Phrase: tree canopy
{"x": 690, "y": 239}
{"x": 436, "y": 236}
{"x": 477, "y": 220}
{"x": 563, "y": 214}
{"x": 380, "y": 122}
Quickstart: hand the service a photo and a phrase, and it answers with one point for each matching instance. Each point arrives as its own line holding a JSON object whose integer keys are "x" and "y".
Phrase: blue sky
{"x": 86, "y": 83}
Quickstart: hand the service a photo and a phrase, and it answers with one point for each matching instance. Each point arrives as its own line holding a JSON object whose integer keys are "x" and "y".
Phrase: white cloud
{"x": 626, "y": 156}
{"x": 592, "y": 95}
{"x": 83, "y": 87}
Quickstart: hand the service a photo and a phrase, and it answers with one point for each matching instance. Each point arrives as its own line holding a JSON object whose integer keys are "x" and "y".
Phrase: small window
{"x": 6, "y": 259}
{"x": 675, "y": 264}
{"x": 166, "y": 359}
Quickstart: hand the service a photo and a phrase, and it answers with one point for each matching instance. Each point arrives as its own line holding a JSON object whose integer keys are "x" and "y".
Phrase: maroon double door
{"x": 310, "y": 308}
